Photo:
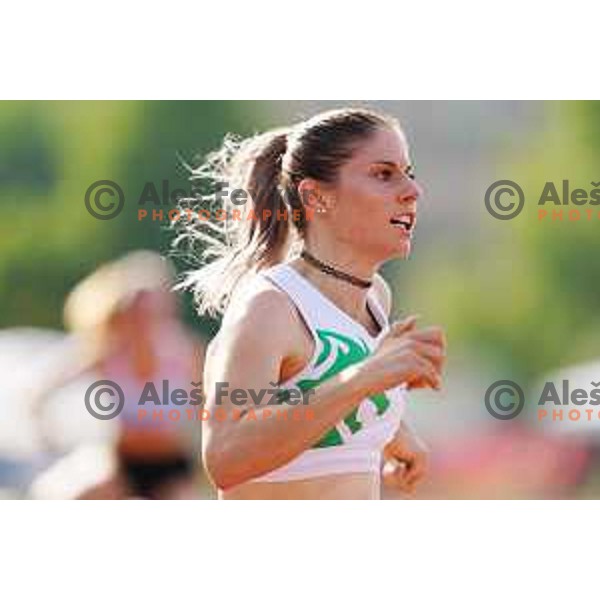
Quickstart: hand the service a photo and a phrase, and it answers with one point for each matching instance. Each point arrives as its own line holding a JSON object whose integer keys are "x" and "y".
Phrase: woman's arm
{"x": 405, "y": 460}
{"x": 69, "y": 360}
{"x": 248, "y": 354}
{"x": 406, "y": 455}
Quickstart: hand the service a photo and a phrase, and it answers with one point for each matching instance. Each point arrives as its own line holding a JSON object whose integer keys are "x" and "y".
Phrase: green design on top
{"x": 356, "y": 351}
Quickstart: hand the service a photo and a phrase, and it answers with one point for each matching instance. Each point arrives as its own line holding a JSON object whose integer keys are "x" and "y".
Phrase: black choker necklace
{"x": 357, "y": 281}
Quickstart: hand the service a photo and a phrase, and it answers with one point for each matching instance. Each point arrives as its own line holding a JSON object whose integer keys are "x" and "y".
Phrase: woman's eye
{"x": 384, "y": 174}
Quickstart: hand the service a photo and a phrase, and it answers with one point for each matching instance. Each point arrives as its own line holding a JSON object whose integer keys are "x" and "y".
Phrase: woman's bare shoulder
{"x": 259, "y": 313}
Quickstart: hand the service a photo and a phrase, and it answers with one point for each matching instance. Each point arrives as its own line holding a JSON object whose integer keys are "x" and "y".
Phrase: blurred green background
{"x": 522, "y": 291}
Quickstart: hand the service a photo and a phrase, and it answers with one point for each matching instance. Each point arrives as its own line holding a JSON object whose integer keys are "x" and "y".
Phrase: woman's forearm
{"x": 253, "y": 445}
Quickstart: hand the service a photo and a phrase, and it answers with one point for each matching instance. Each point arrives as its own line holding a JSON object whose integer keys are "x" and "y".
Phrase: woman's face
{"x": 145, "y": 312}
{"x": 374, "y": 200}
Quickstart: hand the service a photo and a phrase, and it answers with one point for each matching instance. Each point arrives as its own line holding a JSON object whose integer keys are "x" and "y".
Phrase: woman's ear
{"x": 314, "y": 197}
{"x": 308, "y": 190}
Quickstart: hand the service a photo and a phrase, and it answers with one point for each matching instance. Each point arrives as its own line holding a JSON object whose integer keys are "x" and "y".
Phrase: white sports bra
{"x": 355, "y": 444}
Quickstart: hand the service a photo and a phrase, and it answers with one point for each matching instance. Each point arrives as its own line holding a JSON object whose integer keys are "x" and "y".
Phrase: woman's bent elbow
{"x": 219, "y": 466}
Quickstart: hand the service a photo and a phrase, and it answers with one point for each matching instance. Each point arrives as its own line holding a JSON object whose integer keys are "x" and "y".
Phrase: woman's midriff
{"x": 348, "y": 486}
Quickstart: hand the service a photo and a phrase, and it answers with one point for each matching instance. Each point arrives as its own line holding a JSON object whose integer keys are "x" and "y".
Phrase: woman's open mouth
{"x": 405, "y": 222}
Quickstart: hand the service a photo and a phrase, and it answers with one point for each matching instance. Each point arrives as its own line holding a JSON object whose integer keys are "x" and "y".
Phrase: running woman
{"x": 304, "y": 308}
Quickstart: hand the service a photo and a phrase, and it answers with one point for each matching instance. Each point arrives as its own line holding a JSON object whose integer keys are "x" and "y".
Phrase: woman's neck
{"x": 352, "y": 299}
{"x": 343, "y": 258}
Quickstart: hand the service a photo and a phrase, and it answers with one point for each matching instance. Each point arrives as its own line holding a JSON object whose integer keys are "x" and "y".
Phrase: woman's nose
{"x": 417, "y": 187}
{"x": 411, "y": 191}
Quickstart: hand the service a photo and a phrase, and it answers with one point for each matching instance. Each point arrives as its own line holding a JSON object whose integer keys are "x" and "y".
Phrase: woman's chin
{"x": 402, "y": 250}
{"x": 397, "y": 250}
